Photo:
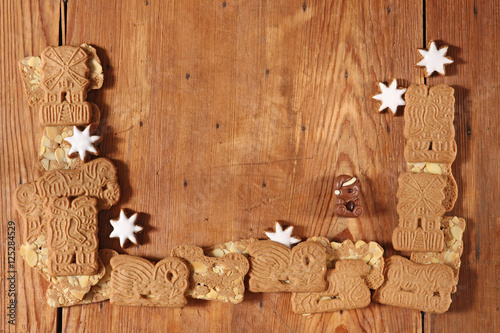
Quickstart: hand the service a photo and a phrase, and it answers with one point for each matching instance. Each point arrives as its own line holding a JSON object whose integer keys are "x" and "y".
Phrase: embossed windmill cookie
{"x": 416, "y": 286}
{"x": 346, "y": 290}
{"x": 453, "y": 229}
{"x": 429, "y": 126}
{"x": 98, "y": 291}
{"x": 450, "y": 190}
{"x": 72, "y": 236}
{"x": 64, "y": 80}
{"x": 370, "y": 253}
{"x": 218, "y": 279}
{"x": 30, "y": 69}
{"x": 420, "y": 197}
{"x": 276, "y": 268}
{"x": 137, "y": 282}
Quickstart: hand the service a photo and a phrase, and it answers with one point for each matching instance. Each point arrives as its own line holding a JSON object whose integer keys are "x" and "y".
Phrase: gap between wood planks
{"x": 63, "y": 24}
{"x": 424, "y": 45}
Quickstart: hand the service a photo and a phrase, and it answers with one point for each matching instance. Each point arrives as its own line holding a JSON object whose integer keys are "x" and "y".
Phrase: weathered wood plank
{"x": 228, "y": 115}
{"x": 26, "y": 28}
{"x": 471, "y": 29}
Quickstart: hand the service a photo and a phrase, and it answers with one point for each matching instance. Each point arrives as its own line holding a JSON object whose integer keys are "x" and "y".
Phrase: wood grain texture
{"x": 26, "y": 28}
{"x": 223, "y": 116}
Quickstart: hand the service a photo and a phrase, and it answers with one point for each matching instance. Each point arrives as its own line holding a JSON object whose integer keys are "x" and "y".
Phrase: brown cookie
{"x": 453, "y": 229}
{"x": 97, "y": 293}
{"x": 95, "y": 75}
{"x": 450, "y": 190}
{"x": 72, "y": 287}
{"x": 239, "y": 246}
{"x": 137, "y": 282}
{"x": 371, "y": 253}
{"x": 29, "y": 68}
{"x": 54, "y": 149}
{"x": 420, "y": 197}
{"x": 72, "y": 236}
{"x": 64, "y": 80}
{"x": 434, "y": 60}
{"x": 429, "y": 126}
{"x": 346, "y": 290}
{"x": 276, "y": 268}
{"x": 75, "y": 287}
{"x": 416, "y": 286}
{"x": 347, "y": 203}
{"x": 219, "y": 279}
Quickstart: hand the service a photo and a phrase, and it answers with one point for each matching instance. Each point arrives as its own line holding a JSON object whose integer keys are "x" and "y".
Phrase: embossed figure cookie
{"x": 453, "y": 229}
{"x": 72, "y": 236}
{"x": 276, "y": 268}
{"x": 420, "y": 197}
{"x": 416, "y": 286}
{"x": 429, "y": 126}
{"x": 370, "y": 253}
{"x": 346, "y": 290}
{"x": 346, "y": 189}
{"x": 71, "y": 287}
{"x": 137, "y": 282}
{"x": 64, "y": 80}
{"x": 217, "y": 279}
{"x": 96, "y": 179}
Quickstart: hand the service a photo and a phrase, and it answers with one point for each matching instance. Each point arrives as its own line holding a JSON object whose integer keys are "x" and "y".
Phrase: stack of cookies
{"x": 426, "y": 191}
{"x": 60, "y": 208}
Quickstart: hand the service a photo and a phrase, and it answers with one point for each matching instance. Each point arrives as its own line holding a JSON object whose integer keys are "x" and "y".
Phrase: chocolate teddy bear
{"x": 347, "y": 202}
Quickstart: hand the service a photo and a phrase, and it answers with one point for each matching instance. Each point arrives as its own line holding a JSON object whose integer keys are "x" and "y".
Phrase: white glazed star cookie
{"x": 82, "y": 142}
{"x": 390, "y": 96}
{"x": 282, "y": 236}
{"x": 124, "y": 228}
{"x": 434, "y": 60}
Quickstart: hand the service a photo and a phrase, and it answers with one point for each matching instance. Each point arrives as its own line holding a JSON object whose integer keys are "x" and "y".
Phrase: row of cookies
{"x": 426, "y": 191}
{"x": 322, "y": 276}
{"x": 60, "y": 208}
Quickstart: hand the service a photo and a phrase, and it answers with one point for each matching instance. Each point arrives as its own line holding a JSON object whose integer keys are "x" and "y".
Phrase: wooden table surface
{"x": 224, "y": 116}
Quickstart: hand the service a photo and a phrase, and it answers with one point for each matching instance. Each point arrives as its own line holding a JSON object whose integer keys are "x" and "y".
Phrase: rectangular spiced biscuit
{"x": 217, "y": 279}
{"x": 429, "y": 128}
{"x": 276, "y": 268}
{"x": 420, "y": 197}
{"x": 416, "y": 286}
{"x": 136, "y": 281}
{"x": 346, "y": 290}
